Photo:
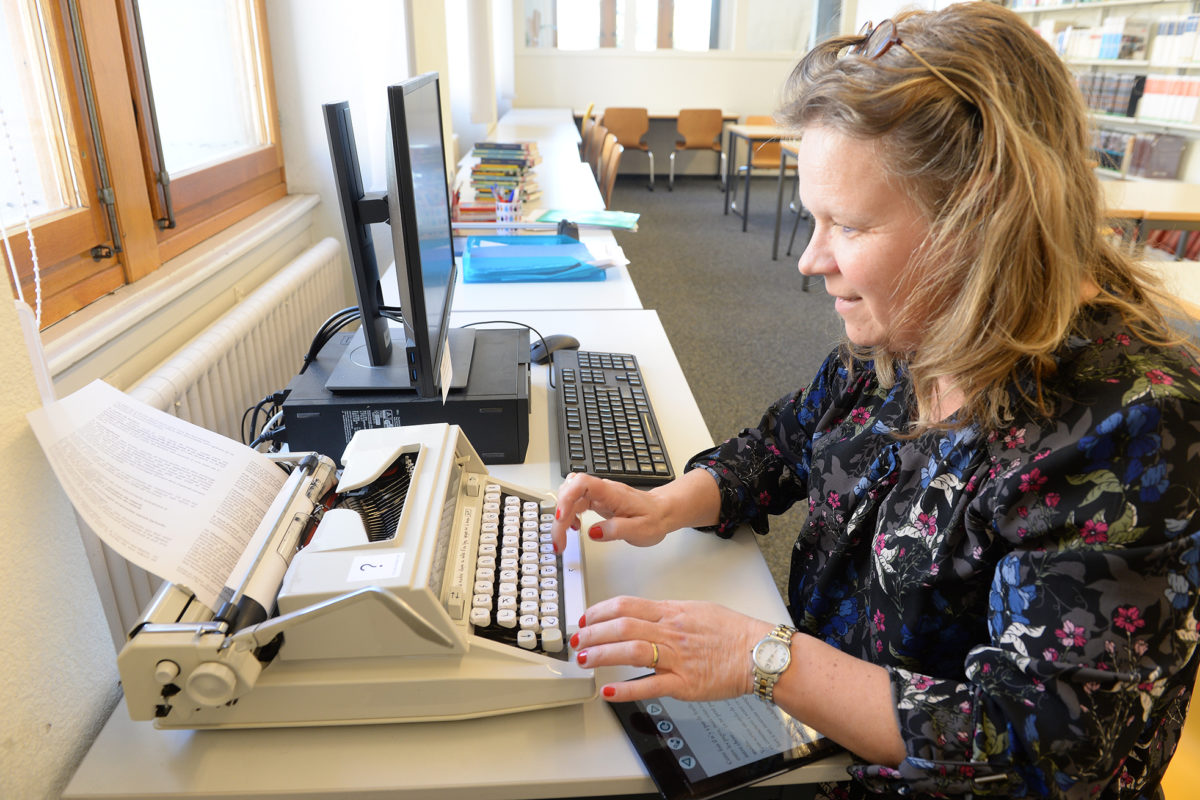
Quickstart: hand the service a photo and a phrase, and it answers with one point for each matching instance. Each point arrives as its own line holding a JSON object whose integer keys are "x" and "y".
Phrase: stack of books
{"x": 1112, "y": 92}
{"x": 505, "y": 171}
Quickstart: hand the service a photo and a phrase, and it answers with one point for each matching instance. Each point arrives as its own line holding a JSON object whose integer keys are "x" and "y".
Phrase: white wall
{"x": 59, "y": 680}
{"x": 661, "y": 82}
{"x": 325, "y": 51}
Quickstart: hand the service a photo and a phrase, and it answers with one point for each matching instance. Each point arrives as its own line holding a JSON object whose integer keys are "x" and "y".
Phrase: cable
{"x": 542, "y": 339}
{"x": 268, "y": 436}
{"x": 339, "y": 320}
{"x": 270, "y": 402}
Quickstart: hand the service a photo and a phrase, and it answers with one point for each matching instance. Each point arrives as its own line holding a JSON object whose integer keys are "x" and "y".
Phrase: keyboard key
{"x": 481, "y": 617}
{"x": 552, "y": 640}
{"x": 527, "y": 639}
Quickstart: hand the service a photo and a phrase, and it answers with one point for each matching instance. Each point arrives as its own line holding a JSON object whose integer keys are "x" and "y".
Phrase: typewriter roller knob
{"x": 165, "y": 671}
{"x": 211, "y": 684}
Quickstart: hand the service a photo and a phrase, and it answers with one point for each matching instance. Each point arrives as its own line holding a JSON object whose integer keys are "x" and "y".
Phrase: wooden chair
{"x": 608, "y": 173}
{"x": 584, "y": 125}
{"x": 593, "y": 145}
{"x": 763, "y": 155}
{"x": 631, "y": 126}
{"x": 701, "y": 129}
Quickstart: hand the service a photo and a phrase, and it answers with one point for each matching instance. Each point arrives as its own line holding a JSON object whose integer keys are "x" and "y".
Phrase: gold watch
{"x": 770, "y": 657}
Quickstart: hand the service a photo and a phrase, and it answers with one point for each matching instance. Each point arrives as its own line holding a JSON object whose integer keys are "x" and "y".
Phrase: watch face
{"x": 772, "y": 655}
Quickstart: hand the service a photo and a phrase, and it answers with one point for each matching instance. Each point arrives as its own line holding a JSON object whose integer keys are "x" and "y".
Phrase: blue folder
{"x": 505, "y": 259}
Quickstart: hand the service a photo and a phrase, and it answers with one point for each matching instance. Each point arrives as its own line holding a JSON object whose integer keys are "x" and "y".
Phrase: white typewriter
{"x": 427, "y": 590}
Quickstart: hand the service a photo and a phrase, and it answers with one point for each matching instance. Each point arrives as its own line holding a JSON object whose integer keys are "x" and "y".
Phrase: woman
{"x": 996, "y": 584}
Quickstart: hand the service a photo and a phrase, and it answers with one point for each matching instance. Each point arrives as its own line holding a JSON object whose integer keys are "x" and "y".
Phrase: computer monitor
{"x": 417, "y": 208}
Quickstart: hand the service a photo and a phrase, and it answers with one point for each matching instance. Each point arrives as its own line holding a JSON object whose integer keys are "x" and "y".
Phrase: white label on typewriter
{"x": 461, "y": 552}
{"x": 376, "y": 567}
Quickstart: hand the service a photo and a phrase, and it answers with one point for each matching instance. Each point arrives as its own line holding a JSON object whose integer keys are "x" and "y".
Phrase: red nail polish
{"x": 609, "y": 691}
{"x": 557, "y": 513}
{"x": 582, "y": 622}
{"x": 595, "y": 532}
{"x": 574, "y": 641}
{"x": 581, "y": 657}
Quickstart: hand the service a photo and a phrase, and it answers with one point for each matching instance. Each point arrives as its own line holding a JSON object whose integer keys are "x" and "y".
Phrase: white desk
{"x": 581, "y": 750}
{"x": 616, "y": 291}
{"x": 567, "y": 183}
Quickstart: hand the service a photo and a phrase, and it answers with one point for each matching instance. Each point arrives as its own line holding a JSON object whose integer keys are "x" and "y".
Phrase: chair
{"x": 701, "y": 129}
{"x": 763, "y": 155}
{"x": 631, "y": 126}
{"x": 584, "y": 125}
{"x": 608, "y": 172}
{"x": 593, "y": 145}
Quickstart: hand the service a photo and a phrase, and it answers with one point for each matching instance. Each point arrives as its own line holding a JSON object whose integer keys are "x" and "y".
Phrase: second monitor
{"x": 436, "y": 359}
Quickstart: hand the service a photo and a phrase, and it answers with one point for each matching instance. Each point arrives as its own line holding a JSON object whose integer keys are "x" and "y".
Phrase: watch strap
{"x": 764, "y": 682}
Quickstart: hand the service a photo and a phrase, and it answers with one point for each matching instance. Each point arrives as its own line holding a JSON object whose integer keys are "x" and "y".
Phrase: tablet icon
{"x": 675, "y": 743}
{"x": 665, "y": 726}
{"x": 688, "y": 762}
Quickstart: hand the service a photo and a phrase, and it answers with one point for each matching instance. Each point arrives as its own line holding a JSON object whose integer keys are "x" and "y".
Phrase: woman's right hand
{"x": 633, "y": 515}
{"x": 642, "y": 518}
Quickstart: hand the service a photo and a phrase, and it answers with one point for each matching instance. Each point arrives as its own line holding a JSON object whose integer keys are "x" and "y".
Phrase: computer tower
{"x": 492, "y": 410}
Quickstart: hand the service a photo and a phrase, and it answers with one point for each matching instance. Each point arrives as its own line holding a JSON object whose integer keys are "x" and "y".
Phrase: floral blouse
{"x": 1031, "y": 590}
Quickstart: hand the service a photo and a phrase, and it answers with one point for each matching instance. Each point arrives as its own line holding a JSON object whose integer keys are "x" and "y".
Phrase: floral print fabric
{"x": 1032, "y": 590}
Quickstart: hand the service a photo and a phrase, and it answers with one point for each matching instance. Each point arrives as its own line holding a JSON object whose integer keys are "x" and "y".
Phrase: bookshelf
{"x": 1138, "y": 64}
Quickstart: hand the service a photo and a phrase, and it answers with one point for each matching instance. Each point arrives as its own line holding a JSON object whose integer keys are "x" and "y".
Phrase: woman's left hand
{"x": 703, "y": 649}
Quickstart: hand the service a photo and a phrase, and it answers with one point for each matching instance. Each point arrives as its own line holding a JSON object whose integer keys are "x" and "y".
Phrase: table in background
{"x": 577, "y": 750}
{"x": 748, "y": 134}
{"x": 787, "y": 149}
{"x": 566, "y": 183}
{"x": 1166, "y": 205}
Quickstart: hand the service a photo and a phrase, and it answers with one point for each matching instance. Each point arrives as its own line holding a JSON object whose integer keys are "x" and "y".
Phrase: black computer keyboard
{"x": 606, "y": 426}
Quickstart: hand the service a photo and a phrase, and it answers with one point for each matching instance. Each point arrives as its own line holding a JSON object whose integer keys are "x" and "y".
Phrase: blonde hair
{"x": 1017, "y": 227}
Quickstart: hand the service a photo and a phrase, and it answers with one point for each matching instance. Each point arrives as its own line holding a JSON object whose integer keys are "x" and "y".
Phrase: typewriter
{"x": 424, "y": 589}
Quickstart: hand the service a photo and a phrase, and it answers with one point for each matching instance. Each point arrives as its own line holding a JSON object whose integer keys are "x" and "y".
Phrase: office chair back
{"x": 631, "y": 126}
{"x": 699, "y": 129}
{"x": 764, "y": 155}
{"x": 593, "y": 146}
{"x": 584, "y": 126}
{"x": 608, "y": 177}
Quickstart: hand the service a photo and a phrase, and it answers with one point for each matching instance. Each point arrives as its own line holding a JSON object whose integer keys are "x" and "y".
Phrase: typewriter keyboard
{"x": 518, "y": 576}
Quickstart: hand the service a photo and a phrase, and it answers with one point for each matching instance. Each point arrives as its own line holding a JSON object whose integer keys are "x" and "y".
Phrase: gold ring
{"x": 654, "y": 661}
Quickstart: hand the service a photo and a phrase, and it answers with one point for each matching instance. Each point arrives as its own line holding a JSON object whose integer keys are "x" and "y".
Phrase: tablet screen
{"x": 697, "y": 750}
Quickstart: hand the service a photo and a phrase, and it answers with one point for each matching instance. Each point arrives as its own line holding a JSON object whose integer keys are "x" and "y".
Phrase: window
{"x": 134, "y": 129}
{"x": 647, "y": 25}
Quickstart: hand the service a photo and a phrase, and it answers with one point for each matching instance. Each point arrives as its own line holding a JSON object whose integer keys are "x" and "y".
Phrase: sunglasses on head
{"x": 875, "y": 40}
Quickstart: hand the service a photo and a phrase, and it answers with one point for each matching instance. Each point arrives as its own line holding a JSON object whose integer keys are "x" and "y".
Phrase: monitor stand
{"x": 354, "y": 372}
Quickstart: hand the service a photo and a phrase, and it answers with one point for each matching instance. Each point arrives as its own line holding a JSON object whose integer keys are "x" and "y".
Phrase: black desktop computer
{"x": 391, "y": 372}
{"x": 492, "y": 408}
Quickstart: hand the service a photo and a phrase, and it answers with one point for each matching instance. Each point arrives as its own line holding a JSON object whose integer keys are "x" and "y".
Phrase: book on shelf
{"x": 1157, "y": 155}
{"x": 1171, "y": 98}
{"x": 1176, "y": 40}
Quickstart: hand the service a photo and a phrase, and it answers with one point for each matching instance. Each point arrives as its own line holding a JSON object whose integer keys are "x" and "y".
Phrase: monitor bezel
{"x": 425, "y": 354}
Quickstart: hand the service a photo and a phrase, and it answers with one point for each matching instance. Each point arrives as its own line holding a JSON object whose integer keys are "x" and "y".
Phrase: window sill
{"x": 120, "y": 337}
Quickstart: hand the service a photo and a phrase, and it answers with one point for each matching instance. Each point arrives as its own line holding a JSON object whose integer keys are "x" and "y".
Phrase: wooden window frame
{"x": 205, "y": 200}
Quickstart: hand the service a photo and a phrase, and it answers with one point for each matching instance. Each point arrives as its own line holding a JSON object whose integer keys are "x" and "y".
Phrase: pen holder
{"x": 510, "y": 213}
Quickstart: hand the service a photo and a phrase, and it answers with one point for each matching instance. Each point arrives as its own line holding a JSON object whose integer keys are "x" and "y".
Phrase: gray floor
{"x": 742, "y": 329}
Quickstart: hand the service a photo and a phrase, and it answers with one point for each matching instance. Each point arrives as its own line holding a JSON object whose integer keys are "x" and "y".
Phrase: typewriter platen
{"x": 428, "y": 591}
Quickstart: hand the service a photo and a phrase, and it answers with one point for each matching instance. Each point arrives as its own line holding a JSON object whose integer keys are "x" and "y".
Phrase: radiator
{"x": 253, "y": 350}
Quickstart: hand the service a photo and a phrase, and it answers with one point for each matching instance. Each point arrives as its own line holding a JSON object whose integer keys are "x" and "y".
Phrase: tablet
{"x": 698, "y": 750}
